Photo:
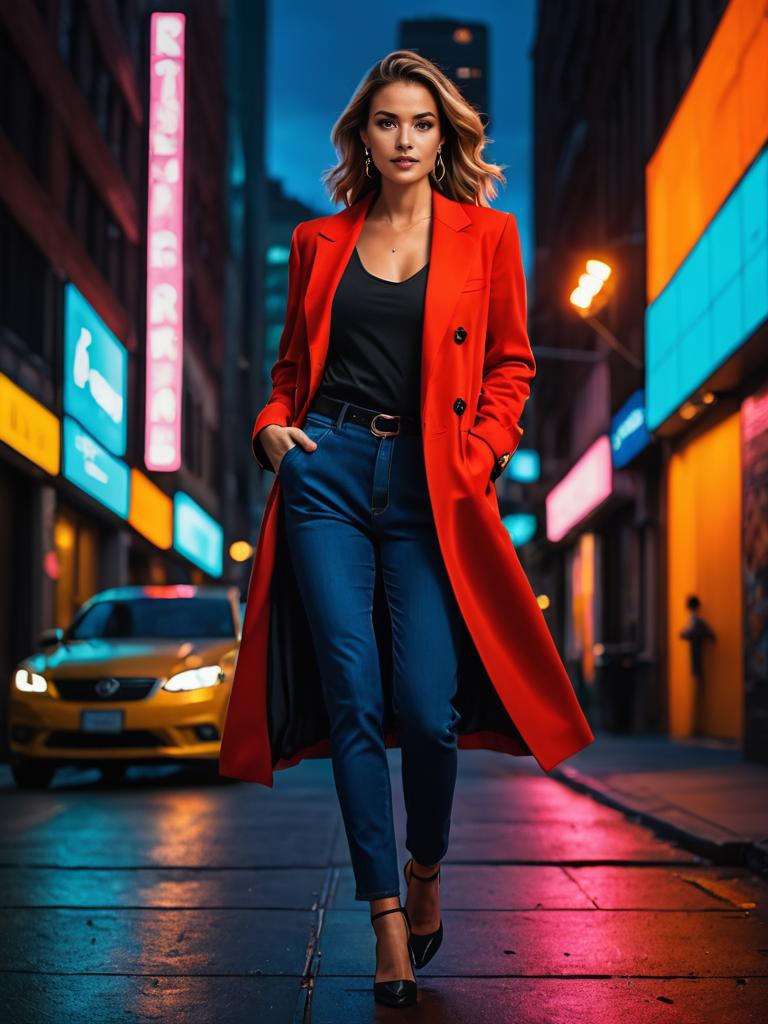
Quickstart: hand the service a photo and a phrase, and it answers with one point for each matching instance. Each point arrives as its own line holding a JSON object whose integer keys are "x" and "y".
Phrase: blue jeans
{"x": 354, "y": 495}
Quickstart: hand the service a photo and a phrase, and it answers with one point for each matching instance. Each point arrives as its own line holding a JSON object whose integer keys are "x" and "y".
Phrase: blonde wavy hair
{"x": 468, "y": 178}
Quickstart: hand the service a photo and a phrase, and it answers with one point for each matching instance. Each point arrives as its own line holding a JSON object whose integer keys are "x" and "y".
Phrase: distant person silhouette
{"x": 696, "y": 632}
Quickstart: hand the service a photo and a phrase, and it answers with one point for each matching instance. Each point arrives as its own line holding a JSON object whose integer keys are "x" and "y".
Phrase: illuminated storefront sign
{"x": 151, "y": 511}
{"x": 93, "y": 469}
{"x": 718, "y": 129}
{"x": 165, "y": 284}
{"x": 588, "y": 483}
{"x": 707, "y": 216}
{"x": 524, "y": 466}
{"x": 28, "y": 427}
{"x": 95, "y": 373}
{"x": 714, "y": 302}
{"x": 196, "y": 535}
{"x": 629, "y": 434}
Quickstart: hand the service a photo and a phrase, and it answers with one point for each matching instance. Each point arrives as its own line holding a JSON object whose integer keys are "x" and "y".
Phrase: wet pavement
{"x": 172, "y": 898}
{"x": 700, "y": 791}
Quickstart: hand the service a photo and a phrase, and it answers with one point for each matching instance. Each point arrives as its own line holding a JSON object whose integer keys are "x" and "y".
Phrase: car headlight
{"x": 195, "y": 678}
{"x": 30, "y": 682}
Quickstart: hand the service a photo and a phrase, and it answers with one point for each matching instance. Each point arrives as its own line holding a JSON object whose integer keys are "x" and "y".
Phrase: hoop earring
{"x": 440, "y": 159}
{"x": 368, "y": 163}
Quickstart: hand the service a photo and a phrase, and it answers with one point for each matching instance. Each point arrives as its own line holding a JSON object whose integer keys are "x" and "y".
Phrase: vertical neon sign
{"x": 165, "y": 264}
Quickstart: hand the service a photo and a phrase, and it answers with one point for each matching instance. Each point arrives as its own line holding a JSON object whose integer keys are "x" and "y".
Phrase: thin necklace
{"x": 409, "y": 226}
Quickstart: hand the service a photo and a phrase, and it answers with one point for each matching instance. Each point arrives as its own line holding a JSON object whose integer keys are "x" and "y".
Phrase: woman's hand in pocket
{"x": 277, "y": 440}
{"x": 481, "y": 457}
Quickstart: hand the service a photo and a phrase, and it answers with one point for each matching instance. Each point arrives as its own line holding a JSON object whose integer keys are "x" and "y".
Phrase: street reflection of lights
{"x": 543, "y": 601}
{"x": 240, "y": 551}
{"x": 30, "y": 682}
{"x": 179, "y": 826}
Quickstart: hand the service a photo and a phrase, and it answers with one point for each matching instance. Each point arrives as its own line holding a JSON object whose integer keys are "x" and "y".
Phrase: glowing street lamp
{"x": 591, "y": 285}
{"x": 588, "y": 298}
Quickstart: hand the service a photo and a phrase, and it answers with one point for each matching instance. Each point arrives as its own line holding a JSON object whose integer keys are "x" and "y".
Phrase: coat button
{"x": 459, "y": 335}
{"x": 459, "y": 406}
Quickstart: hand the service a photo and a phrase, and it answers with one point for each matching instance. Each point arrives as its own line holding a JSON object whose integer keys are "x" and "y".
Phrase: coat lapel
{"x": 450, "y": 257}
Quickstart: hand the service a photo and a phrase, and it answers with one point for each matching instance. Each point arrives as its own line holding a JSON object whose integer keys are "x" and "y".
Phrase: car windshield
{"x": 158, "y": 618}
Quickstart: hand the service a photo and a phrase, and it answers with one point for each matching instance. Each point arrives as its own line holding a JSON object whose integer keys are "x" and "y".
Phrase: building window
{"x": 667, "y": 75}
{"x": 620, "y": 165}
{"x": 28, "y": 291}
{"x": 200, "y": 441}
{"x": 131, "y": 22}
{"x": 212, "y": 462}
{"x": 80, "y": 50}
{"x": 24, "y": 115}
{"x": 192, "y": 444}
{"x": 93, "y": 223}
{"x": 197, "y": 330}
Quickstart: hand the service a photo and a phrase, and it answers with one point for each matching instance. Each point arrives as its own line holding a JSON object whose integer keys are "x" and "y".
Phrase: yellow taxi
{"x": 140, "y": 675}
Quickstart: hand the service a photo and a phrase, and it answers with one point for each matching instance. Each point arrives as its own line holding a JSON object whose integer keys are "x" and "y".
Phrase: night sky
{"x": 319, "y": 52}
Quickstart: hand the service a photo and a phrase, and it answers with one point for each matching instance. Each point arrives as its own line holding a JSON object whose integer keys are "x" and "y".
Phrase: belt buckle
{"x": 385, "y": 433}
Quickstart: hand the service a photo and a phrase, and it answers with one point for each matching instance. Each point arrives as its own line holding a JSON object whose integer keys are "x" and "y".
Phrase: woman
{"x": 386, "y": 605}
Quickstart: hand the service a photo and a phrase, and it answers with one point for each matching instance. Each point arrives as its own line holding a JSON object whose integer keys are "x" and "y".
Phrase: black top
{"x": 374, "y": 351}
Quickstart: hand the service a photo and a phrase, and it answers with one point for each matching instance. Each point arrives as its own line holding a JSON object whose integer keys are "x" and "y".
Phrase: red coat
{"x": 513, "y": 691}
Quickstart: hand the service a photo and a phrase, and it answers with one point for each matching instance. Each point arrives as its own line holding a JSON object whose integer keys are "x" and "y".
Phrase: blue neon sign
{"x": 715, "y": 301}
{"x": 196, "y": 535}
{"x": 521, "y": 527}
{"x": 95, "y": 373}
{"x": 524, "y": 466}
{"x": 93, "y": 469}
{"x": 629, "y": 434}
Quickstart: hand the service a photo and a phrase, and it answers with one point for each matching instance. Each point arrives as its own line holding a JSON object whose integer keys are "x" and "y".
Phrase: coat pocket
{"x": 480, "y": 458}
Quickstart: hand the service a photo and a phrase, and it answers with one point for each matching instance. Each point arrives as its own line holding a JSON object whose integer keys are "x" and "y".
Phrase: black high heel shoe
{"x": 423, "y": 947}
{"x": 402, "y": 991}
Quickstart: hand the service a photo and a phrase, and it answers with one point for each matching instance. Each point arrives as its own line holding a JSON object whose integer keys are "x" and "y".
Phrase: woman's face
{"x": 403, "y": 122}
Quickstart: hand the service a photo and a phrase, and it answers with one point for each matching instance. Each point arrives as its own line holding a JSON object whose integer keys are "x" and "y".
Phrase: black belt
{"x": 382, "y": 424}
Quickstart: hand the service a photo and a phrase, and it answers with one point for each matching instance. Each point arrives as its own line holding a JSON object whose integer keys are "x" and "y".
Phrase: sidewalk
{"x": 167, "y": 897}
{"x": 699, "y": 792}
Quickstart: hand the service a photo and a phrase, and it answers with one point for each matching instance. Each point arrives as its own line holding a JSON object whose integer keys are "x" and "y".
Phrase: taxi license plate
{"x": 101, "y": 721}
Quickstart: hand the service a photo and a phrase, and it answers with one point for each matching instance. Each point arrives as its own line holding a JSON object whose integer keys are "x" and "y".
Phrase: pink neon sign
{"x": 584, "y": 486}
{"x": 165, "y": 263}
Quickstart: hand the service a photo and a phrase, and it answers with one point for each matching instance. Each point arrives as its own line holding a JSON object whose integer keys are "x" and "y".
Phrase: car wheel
{"x": 32, "y": 774}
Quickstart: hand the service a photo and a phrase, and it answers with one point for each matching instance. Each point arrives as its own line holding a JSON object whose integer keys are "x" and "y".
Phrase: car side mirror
{"x": 50, "y": 637}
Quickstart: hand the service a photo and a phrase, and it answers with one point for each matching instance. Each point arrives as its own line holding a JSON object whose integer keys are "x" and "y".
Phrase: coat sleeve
{"x": 280, "y": 407}
{"x": 509, "y": 365}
